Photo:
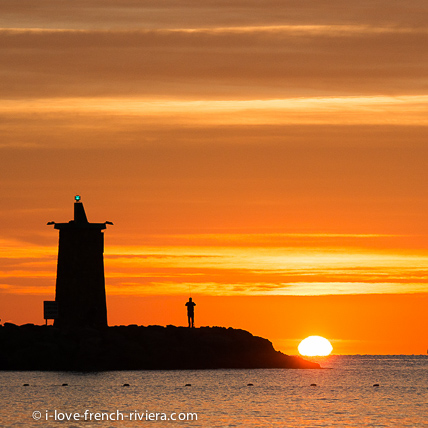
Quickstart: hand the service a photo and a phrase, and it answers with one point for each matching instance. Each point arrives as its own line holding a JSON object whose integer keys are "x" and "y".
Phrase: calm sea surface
{"x": 344, "y": 396}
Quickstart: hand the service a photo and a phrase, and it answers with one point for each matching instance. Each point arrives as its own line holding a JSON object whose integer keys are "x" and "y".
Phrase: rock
{"x": 10, "y": 325}
{"x": 138, "y": 348}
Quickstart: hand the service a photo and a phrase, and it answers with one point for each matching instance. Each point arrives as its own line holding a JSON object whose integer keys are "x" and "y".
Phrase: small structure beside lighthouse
{"x": 80, "y": 284}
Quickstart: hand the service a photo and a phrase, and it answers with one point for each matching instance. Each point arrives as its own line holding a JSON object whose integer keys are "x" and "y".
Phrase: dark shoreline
{"x": 46, "y": 348}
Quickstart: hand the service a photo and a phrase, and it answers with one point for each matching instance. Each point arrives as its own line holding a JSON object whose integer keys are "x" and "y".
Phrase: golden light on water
{"x": 315, "y": 346}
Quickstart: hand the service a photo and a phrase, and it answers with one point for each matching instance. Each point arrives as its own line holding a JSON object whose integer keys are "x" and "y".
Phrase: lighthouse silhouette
{"x": 80, "y": 283}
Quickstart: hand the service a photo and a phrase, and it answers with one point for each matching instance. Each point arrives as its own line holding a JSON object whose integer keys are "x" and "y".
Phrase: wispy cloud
{"x": 238, "y": 62}
{"x": 232, "y": 270}
{"x": 200, "y": 125}
{"x": 213, "y": 13}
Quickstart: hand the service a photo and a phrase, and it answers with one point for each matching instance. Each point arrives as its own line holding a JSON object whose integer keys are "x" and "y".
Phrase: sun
{"x": 315, "y": 346}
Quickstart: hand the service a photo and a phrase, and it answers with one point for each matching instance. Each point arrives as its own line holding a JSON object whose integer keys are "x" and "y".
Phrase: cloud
{"x": 221, "y": 64}
{"x": 212, "y": 13}
{"x": 229, "y": 270}
{"x": 109, "y": 124}
{"x": 183, "y": 118}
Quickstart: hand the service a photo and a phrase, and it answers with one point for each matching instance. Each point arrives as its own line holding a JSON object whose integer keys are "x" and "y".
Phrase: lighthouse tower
{"x": 80, "y": 283}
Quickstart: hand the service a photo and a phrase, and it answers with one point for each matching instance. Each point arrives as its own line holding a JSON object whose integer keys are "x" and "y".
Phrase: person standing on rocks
{"x": 191, "y": 312}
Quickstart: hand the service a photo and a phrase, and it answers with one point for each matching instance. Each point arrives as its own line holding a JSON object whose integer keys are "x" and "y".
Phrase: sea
{"x": 350, "y": 391}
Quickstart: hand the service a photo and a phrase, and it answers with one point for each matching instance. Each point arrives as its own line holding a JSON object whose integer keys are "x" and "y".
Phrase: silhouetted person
{"x": 191, "y": 312}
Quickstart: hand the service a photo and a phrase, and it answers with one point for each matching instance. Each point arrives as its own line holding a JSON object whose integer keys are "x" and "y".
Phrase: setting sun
{"x": 315, "y": 346}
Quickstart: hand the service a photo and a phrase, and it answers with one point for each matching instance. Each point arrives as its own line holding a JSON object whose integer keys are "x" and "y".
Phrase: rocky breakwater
{"x": 32, "y": 347}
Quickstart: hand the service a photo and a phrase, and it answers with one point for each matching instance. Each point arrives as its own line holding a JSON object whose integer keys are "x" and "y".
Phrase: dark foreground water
{"x": 344, "y": 396}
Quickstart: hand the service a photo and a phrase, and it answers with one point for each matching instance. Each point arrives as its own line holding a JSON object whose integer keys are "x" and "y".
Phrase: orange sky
{"x": 271, "y": 157}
